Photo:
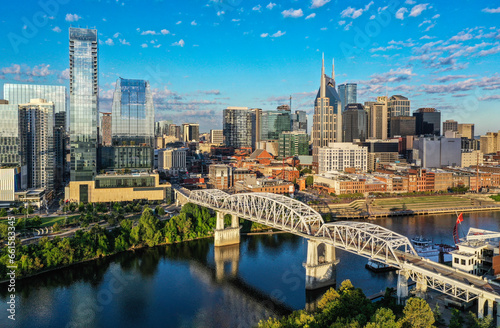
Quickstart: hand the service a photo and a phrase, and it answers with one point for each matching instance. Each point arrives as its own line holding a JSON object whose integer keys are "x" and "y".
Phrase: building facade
{"x": 402, "y": 126}
{"x": 172, "y": 160}
{"x": 437, "y": 152}
{"x": 237, "y": 127}
{"x": 299, "y": 121}
{"x": 355, "y": 123}
{"x": 161, "y": 128}
{"x": 399, "y": 106}
{"x": 217, "y": 137}
{"x": 9, "y": 135}
{"x": 348, "y": 93}
{"x": 377, "y": 120}
{"x": 338, "y": 156}
{"x": 466, "y": 130}
{"x": 273, "y": 123}
{"x": 490, "y": 142}
{"x": 450, "y": 125}
{"x": 83, "y": 95}
{"x": 190, "y": 132}
{"x": 106, "y": 133}
{"x": 293, "y": 143}
{"x": 23, "y": 93}
{"x": 427, "y": 121}
{"x": 327, "y": 118}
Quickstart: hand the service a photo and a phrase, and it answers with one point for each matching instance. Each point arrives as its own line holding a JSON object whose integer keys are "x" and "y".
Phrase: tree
{"x": 56, "y": 227}
{"x": 383, "y": 318}
{"x": 472, "y": 321}
{"x": 329, "y": 296}
{"x": 3, "y": 212}
{"x": 309, "y": 180}
{"x": 159, "y": 211}
{"x": 417, "y": 314}
{"x": 438, "y": 316}
{"x": 456, "y": 320}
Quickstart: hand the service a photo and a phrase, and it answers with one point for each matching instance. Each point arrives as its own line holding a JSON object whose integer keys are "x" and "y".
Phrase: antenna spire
{"x": 333, "y": 68}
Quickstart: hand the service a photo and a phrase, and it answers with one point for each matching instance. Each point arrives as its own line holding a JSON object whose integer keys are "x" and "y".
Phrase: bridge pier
{"x": 320, "y": 265}
{"x": 226, "y": 236}
{"x": 224, "y": 255}
{"x": 402, "y": 291}
{"x": 481, "y": 301}
{"x": 421, "y": 287}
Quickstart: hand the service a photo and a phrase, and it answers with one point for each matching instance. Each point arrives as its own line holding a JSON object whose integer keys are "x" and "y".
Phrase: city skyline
{"x": 213, "y": 58}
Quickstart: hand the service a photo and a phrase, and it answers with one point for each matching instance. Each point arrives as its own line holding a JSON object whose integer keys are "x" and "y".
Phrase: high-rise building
{"x": 273, "y": 123}
{"x": 60, "y": 142}
{"x": 172, "y": 160}
{"x": 36, "y": 124}
{"x": 450, "y": 125}
{"x": 9, "y": 135}
{"x": 355, "y": 123}
{"x": 106, "y": 130}
{"x": 377, "y": 119}
{"x": 348, "y": 93}
{"x": 216, "y": 137}
{"x": 299, "y": 121}
{"x": 402, "y": 126}
{"x": 83, "y": 95}
{"x": 399, "y": 106}
{"x": 490, "y": 142}
{"x": 437, "y": 152}
{"x": 427, "y": 121}
{"x": 339, "y": 156}
{"x": 327, "y": 118}
{"x": 381, "y": 152}
{"x": 190, "y": 132}
{"x": 256, "y": 126}
{"x": 293, "y": 143}
{"x": 237, "y": 127}
{"x": 466, "y": 130}
{"x": 174, "y": 131}
{"x": 161, "y": 128}
{"x": 133, "y": 113}
{"x": 23, "y": 93}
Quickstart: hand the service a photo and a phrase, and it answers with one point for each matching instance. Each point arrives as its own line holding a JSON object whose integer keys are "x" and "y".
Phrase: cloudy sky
{"x": 204, "y": 55}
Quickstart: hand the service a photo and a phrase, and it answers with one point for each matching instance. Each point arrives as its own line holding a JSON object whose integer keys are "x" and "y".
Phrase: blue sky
{"x": 204, "y": 55}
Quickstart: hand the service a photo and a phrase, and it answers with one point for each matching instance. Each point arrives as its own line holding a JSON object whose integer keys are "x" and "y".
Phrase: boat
{"x": 376, "y": 266}
{"x": 425, "y": 248}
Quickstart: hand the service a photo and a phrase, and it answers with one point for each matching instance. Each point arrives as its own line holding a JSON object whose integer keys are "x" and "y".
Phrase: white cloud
{"x": 264, "y": 35}
{"x": 278, "y": 34}
{"x": 318, "y": 3}
{"x": 116, "y": 35}
{"x": 372, "y": 17}
{"x": 348, "y": 26}
{"x": 220, "y": 13}
{"x": 109, "y": 42}
{"x": 292, "y": 13}
{"x": 41, "y": 70}
{"x": 64, "y": 74}
{"x": 179, "y": 43}
{"x": 257, "y": 8}
{"x": 311, "y": 16}
{"x": 436, "y": 16}
{"x": 165, "y": 32}
{"x": 355, "y": 13}
{"x": 410, "y": 2}
{"x": 324, "y": 28}
{"x": 72, "y": 17}
{"x": 491, "y": 10}
{"x": 157, "y": 46}
{"x": 124, "y": 42}
{"x": 14, "y": 69}
{"x": 426, "y": 37}
{"x": 56, "y": 29}
{"x": 271, "y": 5}
{"x": 462, "y": 36}
{"x": 179, "y": 22}
{"x": 342, "y": 22}
{"x": 235, "y": 20}
{"x": 400, "y": 14}
{"x": 149, "y": 32}
{"x": 417, "y": 10}
{"x": 194, "y": 23}
{"x": 144, "y": 45}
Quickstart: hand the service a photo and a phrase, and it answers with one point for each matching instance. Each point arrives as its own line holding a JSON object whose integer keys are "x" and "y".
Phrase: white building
{"x": 341, "y": 155}
{"x": 172, "y": 160}
{"x": 437, "y": 152}
{"x": 12, "y": 179}
{"x": 216, "y": 137}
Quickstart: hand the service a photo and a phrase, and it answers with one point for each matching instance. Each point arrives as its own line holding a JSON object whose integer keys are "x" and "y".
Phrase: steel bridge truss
{"x": 368, "y": 240}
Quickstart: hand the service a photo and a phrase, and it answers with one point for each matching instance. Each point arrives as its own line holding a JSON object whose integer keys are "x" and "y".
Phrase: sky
{"x": 202, "y": 56}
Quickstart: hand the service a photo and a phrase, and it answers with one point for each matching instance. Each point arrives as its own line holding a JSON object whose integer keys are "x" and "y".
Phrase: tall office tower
{"x": 256, "y": 126}
{"x": 83, "y": 97}
{"x": 133, "y": 113}
{"x": 399, "y": 106}
{"x": 355, "y": 123}
{"x": 402, "y": 126}
{"x": 348, "y": 93}
{"x": 36, "y": 125}
{"x": 23, "y": 93}
{"x": 216, "y": 137}
{"x": 106, "y": 130}
{"x": 427, "y": 121}
{"x": 237, "y": 127}
{"x": 60, "y": 142}
{"x": 161, "y": 128}
{"x": 299, "y": 121}
{"x": 174, "y": 131}
{"x": 466, "y": 130}
{"x": 450, "y": 125}
{"x": 377, "y": 120}
{"x": 327, "y": 118}
{"x": 190, "y": 132}
{"x": 273, "y": 123}
{"x": 293, "y": 143}
{"x": 9, "y": 135}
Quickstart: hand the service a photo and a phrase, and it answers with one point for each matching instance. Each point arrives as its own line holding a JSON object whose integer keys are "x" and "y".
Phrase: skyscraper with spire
{"x": 327, "y": 118}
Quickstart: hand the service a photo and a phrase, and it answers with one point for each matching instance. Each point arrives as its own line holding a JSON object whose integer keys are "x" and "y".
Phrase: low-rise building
{"x": 341, "y": 155}
{"x": 172, "y": 161}
{"x": 287, "y": 173}
{"x": 275, "y": 186}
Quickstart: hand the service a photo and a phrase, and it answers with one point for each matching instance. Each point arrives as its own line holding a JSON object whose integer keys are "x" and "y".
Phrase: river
{"x": 184, "y": 286}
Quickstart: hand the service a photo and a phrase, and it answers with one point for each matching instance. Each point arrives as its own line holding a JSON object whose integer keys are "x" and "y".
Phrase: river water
{"x": 196, "y": 285}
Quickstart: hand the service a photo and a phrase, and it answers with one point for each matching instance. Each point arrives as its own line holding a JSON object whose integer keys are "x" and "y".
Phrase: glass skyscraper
{"x": 237, "y": 127}
{"x": 273, "y": 123}
{"x": 9, "y": 135}
{"x": 23, "y": 93}
{"x": 348, "y": 94}
{"x": 133, "y": 113}
{"x": 299, "y": 121}
{"x": 84, "y": 112}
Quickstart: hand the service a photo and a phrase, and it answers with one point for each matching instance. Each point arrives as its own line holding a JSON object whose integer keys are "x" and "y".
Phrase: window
{"x": 462, "y": 262}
